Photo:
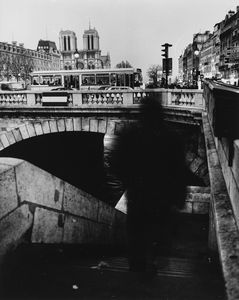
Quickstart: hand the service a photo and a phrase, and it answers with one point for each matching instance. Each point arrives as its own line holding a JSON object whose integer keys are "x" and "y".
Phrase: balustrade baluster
{"x": 118, "y": 98}
{"x": 101, "y": 98}
{"x": 181, "y": 100}
{"x": 14, "y": 99}
{"x": 121, "y": 98}
{"x": 112, "y": 97}
{"x": 108, "y": 98}
{"x": 70, "y": 99}
{"x": 97, "y": 98}
{"x": 24, "y": 98}
{"x": 9, "y": 99}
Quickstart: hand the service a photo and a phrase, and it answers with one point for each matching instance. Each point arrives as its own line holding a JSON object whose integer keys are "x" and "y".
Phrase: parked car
{"x": 104, "y": 87}
{"x": 62, "y": 89}
{"x": 138, "y": 89}
{"x": 11, "y": 86}
{"x": 123, "y": 88}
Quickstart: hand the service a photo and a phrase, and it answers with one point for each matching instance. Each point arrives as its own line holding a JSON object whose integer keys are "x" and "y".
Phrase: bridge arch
{"x": 109, "y": 126}
{"x": 38, "y": 127}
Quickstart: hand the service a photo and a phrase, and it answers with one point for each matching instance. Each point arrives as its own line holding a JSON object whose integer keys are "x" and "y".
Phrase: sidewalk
{"x": 60, "y": 272}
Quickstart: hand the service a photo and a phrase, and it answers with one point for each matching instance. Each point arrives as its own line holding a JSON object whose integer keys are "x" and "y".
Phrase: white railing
{"x": 187, "y": 98}
{"x": 13, "y": 98}
{"x": 192, "y": 98}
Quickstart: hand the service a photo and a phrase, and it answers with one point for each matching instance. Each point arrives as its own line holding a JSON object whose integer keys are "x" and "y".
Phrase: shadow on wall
{"x": 76, "y": 157}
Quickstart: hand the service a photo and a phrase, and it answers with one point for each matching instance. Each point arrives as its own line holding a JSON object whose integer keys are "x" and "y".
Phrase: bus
{"x": 86, "y": 78}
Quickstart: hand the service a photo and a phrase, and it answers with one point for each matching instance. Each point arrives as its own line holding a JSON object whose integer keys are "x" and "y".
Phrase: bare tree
{"x": 2, "y": 63}
{"x": 19, "y": 65}
{"x": 154, "y": 73}
{"x": 7, "y": 66}
{"x": 27, "y": 66}
{"x": 16, "y": 66}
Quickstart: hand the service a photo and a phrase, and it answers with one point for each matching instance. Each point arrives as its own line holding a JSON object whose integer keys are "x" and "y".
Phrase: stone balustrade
{"x": 13, "y": 98}
{"x": 184, "y": 98}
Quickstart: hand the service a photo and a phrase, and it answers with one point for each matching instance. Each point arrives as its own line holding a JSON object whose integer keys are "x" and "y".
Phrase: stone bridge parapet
{"x": 191, "y": 98}
{"x": 221, "y": 133}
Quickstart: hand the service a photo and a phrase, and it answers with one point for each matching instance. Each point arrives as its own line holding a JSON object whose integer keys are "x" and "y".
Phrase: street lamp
{"x": 196, "y": 52}
{"x": 196, "y": 66}
{"x": 77, "y": 56}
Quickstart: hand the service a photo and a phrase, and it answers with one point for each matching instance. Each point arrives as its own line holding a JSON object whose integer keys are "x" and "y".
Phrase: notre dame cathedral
{"x": 88, "y": 58}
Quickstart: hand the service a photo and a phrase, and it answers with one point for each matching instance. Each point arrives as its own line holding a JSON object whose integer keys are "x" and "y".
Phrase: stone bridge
{"x": 66, "y": 214}
{"x": 30, "y": 118}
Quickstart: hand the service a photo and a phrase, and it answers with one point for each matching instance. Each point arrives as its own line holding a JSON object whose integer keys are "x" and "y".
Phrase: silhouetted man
{"x": 149, "y": 161}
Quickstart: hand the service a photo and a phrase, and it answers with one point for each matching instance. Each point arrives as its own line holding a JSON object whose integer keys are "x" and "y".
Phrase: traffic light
{"x": 167, "y": 66}
{"x": 165, "y": 50}
{"x": 167, "y": 62}
{"x": 165, "y": 54}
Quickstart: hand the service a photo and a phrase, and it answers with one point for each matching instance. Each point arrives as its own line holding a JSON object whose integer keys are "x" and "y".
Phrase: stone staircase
{"x": 41, "y": 271}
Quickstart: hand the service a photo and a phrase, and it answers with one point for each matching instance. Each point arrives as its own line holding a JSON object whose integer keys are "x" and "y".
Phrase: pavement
{"x": 42, "y": 272}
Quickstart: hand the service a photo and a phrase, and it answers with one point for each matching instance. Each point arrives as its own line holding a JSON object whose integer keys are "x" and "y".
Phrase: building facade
{"x": 49, "y": 47}
{"x": 190, "y": 60}
{"x": 206, "y": 56}
{"x": 214, "y": 55}
{"x": 67, "y": 46}
{"x": 180, "y": 68}
{"x": 216, "y": 51}
{"x": 229, "y": 50}
{"x": 16, "y": 61}
{"x": 89, "y": 57}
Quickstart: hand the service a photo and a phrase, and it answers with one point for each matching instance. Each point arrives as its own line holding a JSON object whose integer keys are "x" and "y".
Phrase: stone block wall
{"x": 223, "y": 228}
{"x": 197, "y": 201}
{"x": 230, "y": 173}
{"x": 50, "y": 210}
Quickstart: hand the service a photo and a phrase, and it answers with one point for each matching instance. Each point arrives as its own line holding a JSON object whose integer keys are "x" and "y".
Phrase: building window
{"x": 92, "y": 42}
{"x": 69, "y": 43}
{"x": 64, "y": 43}
{"x": 88, "y": 42}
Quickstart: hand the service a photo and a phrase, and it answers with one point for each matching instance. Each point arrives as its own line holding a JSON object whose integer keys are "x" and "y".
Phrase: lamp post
{"x": 196, "y": 47}
{"x": 77, "y": 55}
{"x": 196, "y": 67}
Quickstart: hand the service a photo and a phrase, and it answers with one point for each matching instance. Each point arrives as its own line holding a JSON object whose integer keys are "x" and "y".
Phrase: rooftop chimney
{"x": 14, "y": 43}
{"x": 21, "y": 45}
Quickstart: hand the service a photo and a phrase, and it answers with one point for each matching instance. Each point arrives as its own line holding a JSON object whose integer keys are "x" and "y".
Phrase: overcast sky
{"x": 132, "y": 30}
